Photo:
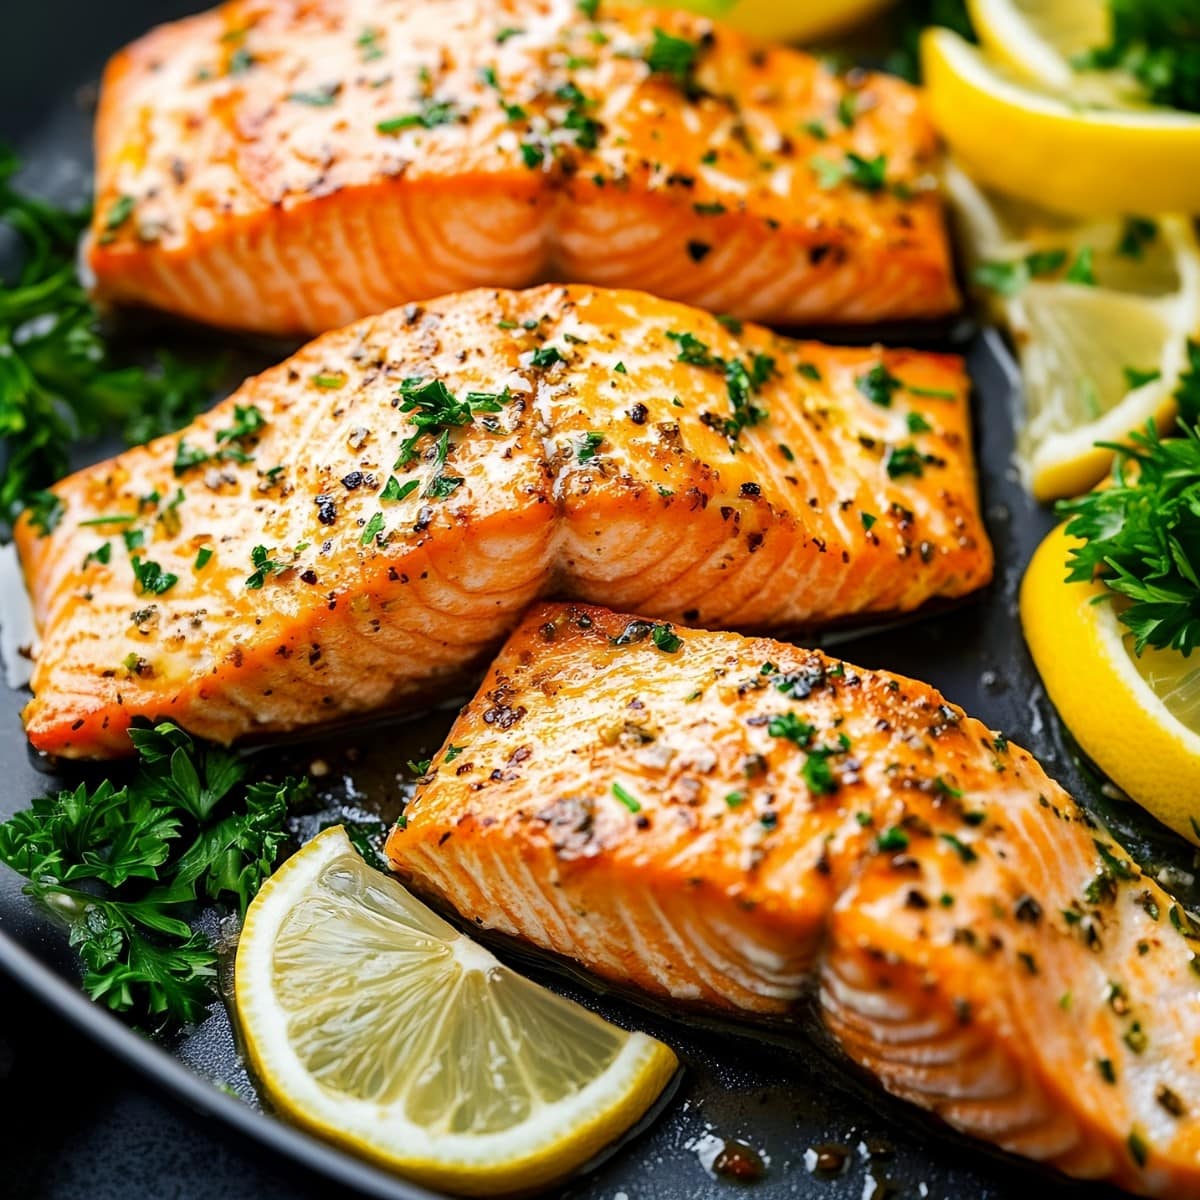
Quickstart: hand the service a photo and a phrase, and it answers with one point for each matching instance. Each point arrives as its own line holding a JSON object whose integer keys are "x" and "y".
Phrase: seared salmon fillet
{"x": 292, "y": 165}
{"x": 374, "y": 514}
{"x": 724, "y": 820}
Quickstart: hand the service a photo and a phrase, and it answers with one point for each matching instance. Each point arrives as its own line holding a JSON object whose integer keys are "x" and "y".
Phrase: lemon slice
{"x": 783, "y": 21}
{"x": 1039, "y": 38}
{"x": 1057, "y": 151}
{"x": 379, "y": 1026}
{"x": 1137, "y": 718}
{"x": 1098, "y": 361}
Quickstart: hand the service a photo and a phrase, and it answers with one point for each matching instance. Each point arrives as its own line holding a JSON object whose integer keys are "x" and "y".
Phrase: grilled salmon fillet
{"x": 374, "y": 514}
{"x": 728, "y": 821}
{"x": 292, "y": 165}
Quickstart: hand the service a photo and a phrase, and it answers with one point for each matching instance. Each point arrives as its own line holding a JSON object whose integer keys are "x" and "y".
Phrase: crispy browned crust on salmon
{"x": 619, "y": 448}
{"x": 291, "y": 165}
{"x": 721, "y": 820}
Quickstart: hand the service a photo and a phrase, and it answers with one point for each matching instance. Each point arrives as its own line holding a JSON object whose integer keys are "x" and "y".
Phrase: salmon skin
{"x": 288, "y": 166}
{"x": 372, "y": 516}
{"x": 723, "y": 821}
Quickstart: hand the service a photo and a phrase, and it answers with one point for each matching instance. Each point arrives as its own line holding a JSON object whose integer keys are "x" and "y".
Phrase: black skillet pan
{"x": 822, "y": 1130}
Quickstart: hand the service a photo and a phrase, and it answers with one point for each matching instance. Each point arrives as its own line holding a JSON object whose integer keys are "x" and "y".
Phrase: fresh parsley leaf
{"x": 1081, "y": 271}
{"x": 1136, "y": 234}
{"x": 264, "y": 566}
{"x": 1009, "y": 278}
{"x": 60, "y": 380}
{"x": 1158, "y": 43}
{"x": 431, "y": 114}
{"x": 185, "y": 824}
{"x": 676, "y": 58}
{"x": 666, "y": 639}
{"x": 879, "y": 385}
{"x": 627, "y": 798}
{"x": 1141, "y": 536}
{"x": 150, "y": 577}
{"x": 586, "y": 447}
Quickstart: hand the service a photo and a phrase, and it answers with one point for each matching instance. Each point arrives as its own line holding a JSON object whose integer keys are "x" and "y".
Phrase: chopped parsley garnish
{"x": 44, "y": 510}
{"x": 62, "y": 383}
{"x": 532, "y": 154}
{"x": 586, "y": 447}
{"x": 715, "y": 209}
{"x": 791, "y": 727}
{"x": 394, "y": 490}
{"x": 102, "y": 554}
{"x": 1136, "y": 234}
{"x": 868, "y": 519}
{"x": 435, "y": 410}
{"x": 319, "y": 97}
{"x": 916, "y": 423}
{"x": 329, "y": 381}
{"x": 546, "y": 356}
{"x": 368, "y": 45}
{"x": 203, "y": 557}
{"x": 817, "y": 774}
{"x": 809, "y": 371}
{"x": 626, "y": 798}
{"x": 373, "y": 529}
{"x": 741, "y": 381}
{"x": 589, "y": 8}
{"x": 438, "y": 488}
{"x": 1009, "y": 278}
{"x": 735, "y": 799}
{"x": 1157, "y": 42}
{"x": 892, "y": 838}
{"x": 869, "y": 174}
{"x": 1141, "y": 538}
{"x": 432, "y": 113}
{"x": 452, "y": 752}
{"x": 509, "y": 31}
{"x": 118, "y": 213}
{"x": 964, "y": 851}
{"x": 248, "y": 422}
{"x": 1081, "y": 270}
{"x": 264, "y": 566}
{"x": 587, "y": 129}
{"x": 905, "y": 460}
{"x": 879, "y": 385}
{"x": 666, "y": 639}
{"x": 1135, "y": 377}
{"x": 847, "y": 109}
{"x": 151, "y": 578}
{"x": 675, "y": 57}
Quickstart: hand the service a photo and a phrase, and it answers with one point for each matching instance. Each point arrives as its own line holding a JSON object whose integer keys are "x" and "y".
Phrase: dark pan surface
{"x": 781, "y": 1093}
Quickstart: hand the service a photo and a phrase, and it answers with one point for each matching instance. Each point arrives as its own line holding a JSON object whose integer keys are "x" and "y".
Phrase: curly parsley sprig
{"x": 1141, "y": 537}
{"x": 125, "y": 866}
{"x": 60, "y": 381}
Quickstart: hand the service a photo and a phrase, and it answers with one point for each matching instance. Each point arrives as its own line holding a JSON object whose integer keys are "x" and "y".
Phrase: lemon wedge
{"x": 1066, "y": 153}
{"x": 783, "y": 21}
{"x": 1039, "y": 38}
{"x": 1137, "y": 718}
{"x": 1099, "y": 358}
{"x": 376, "y": 1024}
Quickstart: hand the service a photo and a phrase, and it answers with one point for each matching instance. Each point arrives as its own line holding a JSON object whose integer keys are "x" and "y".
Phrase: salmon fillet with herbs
{"x": 372, "y": 516}
{"x": 291, "y": 165}
{"x": 731, "y": 822}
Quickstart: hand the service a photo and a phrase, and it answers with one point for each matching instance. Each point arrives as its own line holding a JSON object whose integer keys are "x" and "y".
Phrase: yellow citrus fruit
{"x": 1061, "y": 152}
{"x": 1039, "y": 38}
{"x": 1137, "y": 718}
{"x": 784, "y": 20}
{"x": 376, "y": 1024}
{"x": 1098, "y": 359}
